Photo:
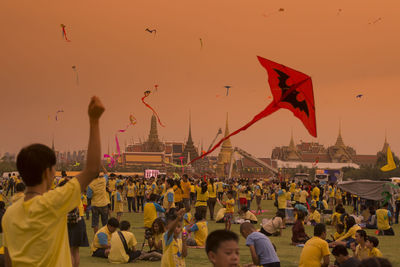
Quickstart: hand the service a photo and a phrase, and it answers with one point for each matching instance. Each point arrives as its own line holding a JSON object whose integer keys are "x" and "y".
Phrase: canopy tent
{"x": 369, "y": 189}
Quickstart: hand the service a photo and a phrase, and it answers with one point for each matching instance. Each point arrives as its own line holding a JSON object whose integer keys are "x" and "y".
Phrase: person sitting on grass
{"x": 261, "y": 249}
{"x": 200, "y": 230}
{"x": 339, "y": 232}
{"x": 349, "y": 236}
{"x": 360, "y": 251}
{"x": 371, "y": 243}
{"x": 155, "y": 239}
{"x": 150, "y": 211}
{"x": 245, "y": 214}
{"x": 273, "y": 226}
{"x": 101, "y": 242}
{"x": 314, "y": 217}
{"x": 299, "y": 235}
{"x": 316, "y": 249}
{"x": 342, "y": 257}
{"x": 174, "y": 247}
{"x": 220, "y": 217}
{"x": 35, "y": 230}
{"x": 222, "y": 248}
{"x": 383, "y": 217}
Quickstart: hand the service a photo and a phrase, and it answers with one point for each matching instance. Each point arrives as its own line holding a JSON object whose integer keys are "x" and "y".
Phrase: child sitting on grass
{"x": 339, "y": 231}
{"x": 299, "y": 235}
{"x": 261, "y": 249}
{"x": 372, "y": 242}
{"x": 245, "y": 214}
{"x": 200, "y": 230}
{"x": 174, "y": 247}
{"x": 222, "y": 248}
{"x": 314, "y": 217}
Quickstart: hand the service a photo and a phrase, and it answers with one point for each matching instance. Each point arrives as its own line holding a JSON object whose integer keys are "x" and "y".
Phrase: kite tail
{"x": 271, "y": 108}
{"x": 118, "y": 148}
{"x": 154, "y": 112}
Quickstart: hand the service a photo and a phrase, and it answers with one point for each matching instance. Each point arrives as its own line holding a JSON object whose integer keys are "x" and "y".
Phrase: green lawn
{"x": 289, "y": 255}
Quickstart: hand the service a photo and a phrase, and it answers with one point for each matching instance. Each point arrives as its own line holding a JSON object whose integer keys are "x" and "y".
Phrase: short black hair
{"x": 153, "y": 197}
{"x": 363, "y": 234}
{"x": 113, "y": 222}
{"x": 170, "y": 182}
{"x": 340, "y": 250}
{"x": 373, "y": 240}
{"x": 215, "y": 238}
{"x": 124, "y": 225}
{"x": 20, "y": 187}
{"x": 198, "y": 216}
{"x": 319, "y": 229}
{"x": 32, "y": 161}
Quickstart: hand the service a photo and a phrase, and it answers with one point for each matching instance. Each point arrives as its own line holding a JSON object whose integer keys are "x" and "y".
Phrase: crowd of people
{"x": 48, "y": 216}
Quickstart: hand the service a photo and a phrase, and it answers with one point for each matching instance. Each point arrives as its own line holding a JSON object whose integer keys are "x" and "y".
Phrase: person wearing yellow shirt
{"x": 192, "y": 194}
{"x": 187, "y": 217}
{"x": 212, "y": 197}
{"x": 202, "y": 198}
{"x": 245, "y": 214}
{"x": 154, "y": 187}
{"x": 360, "y": 250}
{"x": 112, "y": 188}
{"x": 141, "y": 188}
{"x": 303, "y": 197}
{"x": 119, "y": 203}
{"x": 331, "y": 194}
{"x": 316, "y": 249}
{"x": 372, "y": 242}
{"x": 230, "y": 209}
{"x": 315, "y": 193}
{"x": 314, "y": 217}
{"x": 338, "y": 196}
{"x": 282, "y": 200}
{"x": 118, "y": 254}
{"x": 220, "y": 189}
{"x": 258, "y": 192}
{"x": 131, "y": 192}
{"x": 200, "y": 231}
{"x": 339, "y": 232}
{"x": 40, "y": 221}
{"x": 383, "y": 217}
{"x": 296, "y": 195}
{"x": 150, "y": 211}
{"x": 174, "y": 247}
{"x": 178, "y": 194}
{"x": 19, "y": 193}
{"x": 350, "y": 235}
{"x": 169, "y": 197}
{"x": 185, "y": 184}
{"x": 101, "y": 242}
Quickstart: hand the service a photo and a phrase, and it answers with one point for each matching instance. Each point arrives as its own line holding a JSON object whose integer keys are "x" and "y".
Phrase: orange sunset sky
{"x": 343, "y": 52}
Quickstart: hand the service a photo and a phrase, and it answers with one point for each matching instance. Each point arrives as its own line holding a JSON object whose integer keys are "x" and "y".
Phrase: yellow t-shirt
{"x": 149, "y": 214}
{"x": 250, "y": 216}
{"x": 119, "y": 204}
{"x": 96, "y": 242}
{"x": 375, "y": 252}
{"x": 33, "y": 228}
{"x": 303, "y": 196}
{"x": 220, "y": 187}
{"x": 325, "y": 204}
{"x": 282, "y": 200}
{"x": 200, "y": 235}
{"x": 230, "y": 205}
{"x": 111, "y": 185}
{"x": 201, "y": 198}
{"x": 187, "y": 219}
{"x": 172, "y": 252}
{"x": 100, "y": 196}
{"x": 212, "y": 190}
{"x": 313, "y": 252}
{"x": 362, "y": 252}
{"x": 336, "y": 235}
{"x": 351, "y": 233}
{"x": 315, "y": 193}
{"x": 178, "y": 194}
{"x": 382, "y": 219}
{"x": 15, "y": 197}
{"x": 296, "y": 196}
{"x": 131, "y": 190}
{"x": 336, "y": 218}
{"x": 316, "y": 216}
{"x": 292, "y": 188}
{"x": 165, "y": 200}
{"x": 186, "y": 189}
{"x": 117, "y": 252}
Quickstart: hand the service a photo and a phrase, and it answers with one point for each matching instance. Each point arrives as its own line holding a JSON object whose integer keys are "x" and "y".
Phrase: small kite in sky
{"x": 64, "y": 33}
{"x": 76, "y": 74}
{"x": 151, "y": 31}
{"x": 227, "y": 89}
{"x": 146, "y": 94}
{"x": 279, "y": 10}
{"x": 291, "y": 90}
{"x": 375, "y": 21}
{"x": 339, "y": 11}
{"x": 156, "y": 88}
{"x": 132, "y": 120}
{"x": 359, "y": 96}
{"x": 58, "y": 111}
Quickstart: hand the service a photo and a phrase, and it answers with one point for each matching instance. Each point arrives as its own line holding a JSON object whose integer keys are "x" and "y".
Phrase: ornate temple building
{"x": 190, "y": 152}
{"x": 224, "y": 156}
{"x": 310, "y": 152}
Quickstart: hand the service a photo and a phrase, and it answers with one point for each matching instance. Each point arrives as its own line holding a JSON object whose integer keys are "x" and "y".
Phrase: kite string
{"x": 154, "y": 112}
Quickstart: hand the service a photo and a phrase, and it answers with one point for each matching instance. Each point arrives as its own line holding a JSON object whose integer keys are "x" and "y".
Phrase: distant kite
{"x": 201, "y": 43}
{"x": 227, "y": 89}
{"x": 76, "y": 74}
{"x": 64, "y": 33}
{"x": 151, "y": 31}
{"x": 58, "y": 111}
{"x": 339, "y": 11}
{"x": 375, "y": 21}
{"x": 359, "y": 96}
{"x": 279, "y": 10}
{"x": 156, "y": 88}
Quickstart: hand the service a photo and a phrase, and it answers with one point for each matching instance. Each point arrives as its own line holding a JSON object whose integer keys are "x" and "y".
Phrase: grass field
{"x": 288, "y": 255}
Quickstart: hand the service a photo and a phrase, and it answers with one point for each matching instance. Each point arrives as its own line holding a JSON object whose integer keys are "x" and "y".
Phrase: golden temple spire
{"x": 227, "y": 143}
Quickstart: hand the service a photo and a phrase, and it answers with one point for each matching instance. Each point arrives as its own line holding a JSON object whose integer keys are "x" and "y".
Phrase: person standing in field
{"x": 35, "y": 230}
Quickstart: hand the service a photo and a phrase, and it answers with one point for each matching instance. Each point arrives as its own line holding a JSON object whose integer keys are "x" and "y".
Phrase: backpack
{"x": 73, "y": 216}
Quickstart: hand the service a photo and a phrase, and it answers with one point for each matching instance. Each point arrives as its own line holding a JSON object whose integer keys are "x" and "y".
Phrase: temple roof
{"x": 227, "y": 143}
{"x": 189, "y": 152}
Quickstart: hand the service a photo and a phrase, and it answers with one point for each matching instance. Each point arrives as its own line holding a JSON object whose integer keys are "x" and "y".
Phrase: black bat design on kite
{"x": 151, "y": 31}
{"x": 291, "y": 98}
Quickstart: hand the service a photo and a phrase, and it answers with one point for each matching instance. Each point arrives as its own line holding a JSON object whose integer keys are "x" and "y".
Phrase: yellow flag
{"x": 390, "y": 162}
